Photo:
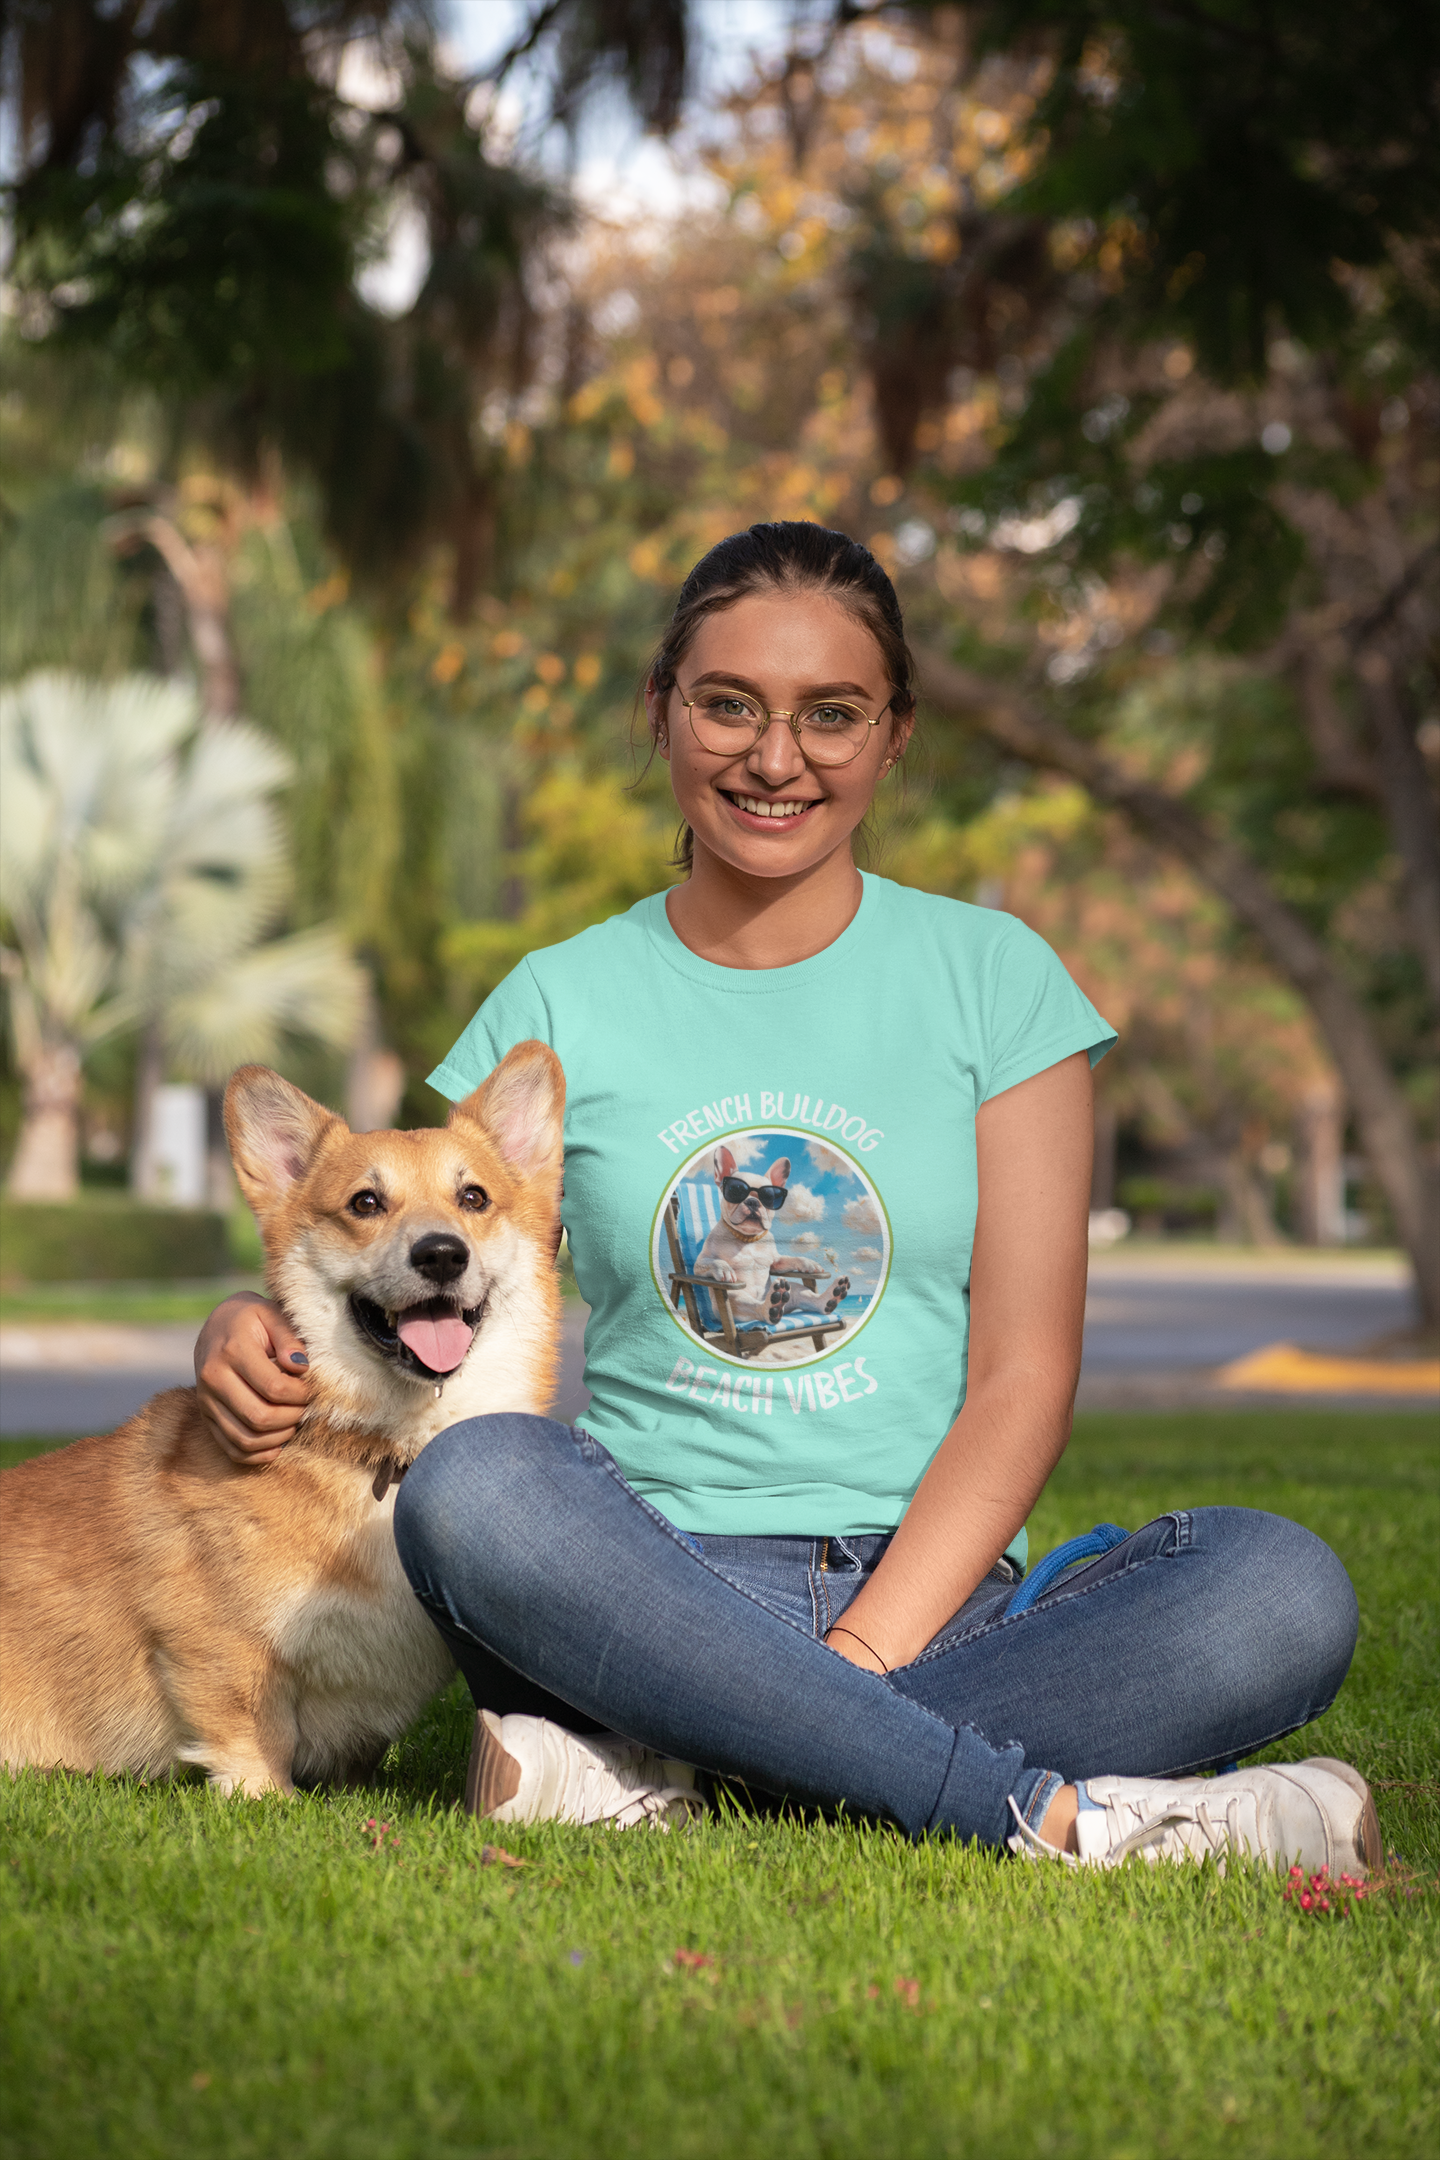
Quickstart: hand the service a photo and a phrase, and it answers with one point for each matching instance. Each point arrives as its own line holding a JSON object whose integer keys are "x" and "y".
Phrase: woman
{"x": 827, "y": 1177}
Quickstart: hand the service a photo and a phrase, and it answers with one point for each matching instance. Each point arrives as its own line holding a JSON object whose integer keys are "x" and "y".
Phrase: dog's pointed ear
{"x": 780, "y": 1171}
{"x": 274, "y": 1132}
{"x": 724, "y": 1164}
{"x": 522, "y": 1108}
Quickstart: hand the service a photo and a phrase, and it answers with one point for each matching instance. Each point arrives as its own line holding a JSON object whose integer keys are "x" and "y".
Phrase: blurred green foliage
{"x": 111, "y": 1239}
{"x": 1111, "y": 331}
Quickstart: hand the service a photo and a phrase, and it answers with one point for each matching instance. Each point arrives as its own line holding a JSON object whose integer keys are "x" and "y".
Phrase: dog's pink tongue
{"x": 440, "y": 1344}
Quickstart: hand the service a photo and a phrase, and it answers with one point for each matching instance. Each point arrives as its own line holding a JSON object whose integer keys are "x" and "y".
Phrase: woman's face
{"x": 785, "y": 651}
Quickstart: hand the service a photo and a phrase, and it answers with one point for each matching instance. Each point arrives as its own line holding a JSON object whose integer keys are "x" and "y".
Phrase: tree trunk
{"x": 1387, "y": 1129}
{"x": 1246, "y": 1216}
{"x": 46, "y": 1165}
{"x": 1320, "y": 1168}
{"x": 1410, "y": 807}
{"x": 473, "y": 528}
{"x": 203, "y": 576}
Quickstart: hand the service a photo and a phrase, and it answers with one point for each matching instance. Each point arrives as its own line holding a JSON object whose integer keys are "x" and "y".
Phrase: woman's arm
{"x": 1027, "y": 1316}
{"x": 250, "y": 1377}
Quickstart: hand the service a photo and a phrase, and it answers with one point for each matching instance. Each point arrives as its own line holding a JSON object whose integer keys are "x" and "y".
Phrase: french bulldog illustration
{"x": 741, "y": 1251}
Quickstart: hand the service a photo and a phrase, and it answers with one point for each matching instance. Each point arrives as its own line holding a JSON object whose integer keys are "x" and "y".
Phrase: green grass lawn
{"x": 260, "y": 1978}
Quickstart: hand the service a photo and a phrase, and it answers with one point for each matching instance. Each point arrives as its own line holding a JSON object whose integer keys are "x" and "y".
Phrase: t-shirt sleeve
{"x": 515, "y": 1012}
{"x": 1038, "y": 1014}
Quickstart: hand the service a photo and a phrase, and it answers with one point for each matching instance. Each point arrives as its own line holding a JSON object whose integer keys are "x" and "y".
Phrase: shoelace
{"x": 642, "y": 1776}
{"x": 658, "y": 1807}
{"x": 595, "y": 1781}
{"x": 1194, "y": 1812}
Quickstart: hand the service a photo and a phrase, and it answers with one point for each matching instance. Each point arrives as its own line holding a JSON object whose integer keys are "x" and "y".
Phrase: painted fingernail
{"x": 298, "y": 1357}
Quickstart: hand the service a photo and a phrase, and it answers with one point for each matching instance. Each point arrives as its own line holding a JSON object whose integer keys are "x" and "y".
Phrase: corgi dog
{"x": 741, "y": 1251}
{"x": 160, "y": 1604}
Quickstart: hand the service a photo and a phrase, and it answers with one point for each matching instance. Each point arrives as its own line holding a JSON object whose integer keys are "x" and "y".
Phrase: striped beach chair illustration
{"x": 690, "y": 1215}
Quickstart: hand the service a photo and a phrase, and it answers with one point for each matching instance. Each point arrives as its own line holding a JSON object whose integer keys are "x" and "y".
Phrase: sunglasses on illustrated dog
{"x": 735, "y": 1190}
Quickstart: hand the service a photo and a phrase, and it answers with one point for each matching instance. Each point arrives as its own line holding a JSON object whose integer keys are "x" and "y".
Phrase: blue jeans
{"x": 1203, "y": 1637}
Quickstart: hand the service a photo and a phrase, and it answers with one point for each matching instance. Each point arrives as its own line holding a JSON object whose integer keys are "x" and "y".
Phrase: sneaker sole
{"x": 493, "y": 1777}
{"x": 1367, "y": 1835}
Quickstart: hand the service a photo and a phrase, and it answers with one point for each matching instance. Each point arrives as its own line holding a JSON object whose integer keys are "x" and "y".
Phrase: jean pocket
{"x": 1094, "y": 1545}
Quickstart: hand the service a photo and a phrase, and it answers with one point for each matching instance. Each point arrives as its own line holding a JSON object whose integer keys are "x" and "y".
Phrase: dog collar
{"x": 389, "y": 1473}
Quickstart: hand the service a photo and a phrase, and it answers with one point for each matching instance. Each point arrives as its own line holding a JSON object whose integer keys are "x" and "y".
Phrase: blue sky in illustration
{"x": 829, "y": 1215}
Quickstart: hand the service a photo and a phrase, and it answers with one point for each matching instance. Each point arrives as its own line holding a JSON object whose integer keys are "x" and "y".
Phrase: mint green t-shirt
{"x": 770, "y": 1192}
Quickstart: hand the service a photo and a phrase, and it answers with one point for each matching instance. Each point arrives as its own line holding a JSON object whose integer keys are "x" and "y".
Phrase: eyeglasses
{"x": 828, "y": 732}
{"x": 735, "y": 1190}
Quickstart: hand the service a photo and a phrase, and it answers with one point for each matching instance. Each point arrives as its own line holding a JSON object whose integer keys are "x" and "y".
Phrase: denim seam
{"x": 1030, "y": 1805}
{"x": 1059, "y": 1595}
{"x": 819, "y": 1593}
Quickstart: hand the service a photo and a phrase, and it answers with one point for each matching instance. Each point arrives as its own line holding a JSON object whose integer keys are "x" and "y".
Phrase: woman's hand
{"x": 849, "y": 1646}
{"x": 250, "y": 1374}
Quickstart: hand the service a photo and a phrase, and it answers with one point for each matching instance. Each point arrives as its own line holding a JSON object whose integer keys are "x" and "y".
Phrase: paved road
{"x": 81, "y": 1379}
{"x": 1156, "y": 1327}
{"x": 1139, "y": 1318}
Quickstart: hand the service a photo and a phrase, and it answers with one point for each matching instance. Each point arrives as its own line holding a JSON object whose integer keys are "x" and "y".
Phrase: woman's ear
{"x": 656, "y": 702}
{"x": 902, "y": 727}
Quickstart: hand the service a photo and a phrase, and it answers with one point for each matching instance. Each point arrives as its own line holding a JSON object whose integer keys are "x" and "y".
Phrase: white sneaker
{"x": 1319, "y": 1813}
{"x": 526, "y": 1770}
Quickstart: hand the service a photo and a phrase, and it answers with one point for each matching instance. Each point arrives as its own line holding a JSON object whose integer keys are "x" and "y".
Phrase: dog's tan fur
{"x": 160, "y": 1604}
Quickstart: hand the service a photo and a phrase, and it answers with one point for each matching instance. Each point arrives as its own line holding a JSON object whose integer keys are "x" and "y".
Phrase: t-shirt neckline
{"x": 745, "y": 982}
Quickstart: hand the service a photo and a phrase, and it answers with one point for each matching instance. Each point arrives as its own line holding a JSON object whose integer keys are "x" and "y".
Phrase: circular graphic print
{"x": 770, "y": 1247}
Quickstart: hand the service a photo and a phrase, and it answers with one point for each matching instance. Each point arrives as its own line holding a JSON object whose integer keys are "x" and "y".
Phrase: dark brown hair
{"x": 788, "y": 556}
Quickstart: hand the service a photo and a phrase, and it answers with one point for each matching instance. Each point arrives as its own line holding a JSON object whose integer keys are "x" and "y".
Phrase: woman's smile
{"x": 769, "y": 810}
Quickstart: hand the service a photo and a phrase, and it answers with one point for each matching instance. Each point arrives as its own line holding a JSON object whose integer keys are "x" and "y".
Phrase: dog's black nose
{"x": 440, "y": 1255}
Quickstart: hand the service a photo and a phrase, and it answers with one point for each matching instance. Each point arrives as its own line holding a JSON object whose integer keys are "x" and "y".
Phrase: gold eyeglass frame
{"x": 793, "y": 721}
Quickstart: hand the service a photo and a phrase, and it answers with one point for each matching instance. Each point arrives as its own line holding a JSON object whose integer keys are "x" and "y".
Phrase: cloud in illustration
{"x": 746, "y": 1151}
{"x": 862, "y": 1216}
{"x": 803, "y": 1237}
{"x": 803, "y": 1205}
{"x": 827, "y": 1162}
{"x": 867, "y": 1252}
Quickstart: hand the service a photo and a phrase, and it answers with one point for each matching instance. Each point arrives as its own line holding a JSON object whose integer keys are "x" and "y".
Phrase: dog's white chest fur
{"x": 744, "y": 1263}
{"x": 363, "y": 1656}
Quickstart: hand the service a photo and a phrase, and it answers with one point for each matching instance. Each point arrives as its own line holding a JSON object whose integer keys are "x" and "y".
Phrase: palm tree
{"x": 142, "y": 866}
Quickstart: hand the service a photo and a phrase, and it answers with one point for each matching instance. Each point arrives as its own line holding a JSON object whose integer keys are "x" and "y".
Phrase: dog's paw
{"x": 840, "y": 1292}
{"x": 717, "y": 1271}
{"x": 779, "y": 1297}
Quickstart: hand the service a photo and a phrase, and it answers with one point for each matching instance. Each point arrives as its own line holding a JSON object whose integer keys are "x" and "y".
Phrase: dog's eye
{"x": 367, "y": 1203}
{"x": 474, "y": 1197}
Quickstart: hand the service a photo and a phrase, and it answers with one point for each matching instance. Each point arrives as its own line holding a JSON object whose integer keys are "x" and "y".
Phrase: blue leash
{"x": 1102, "y": 1539}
